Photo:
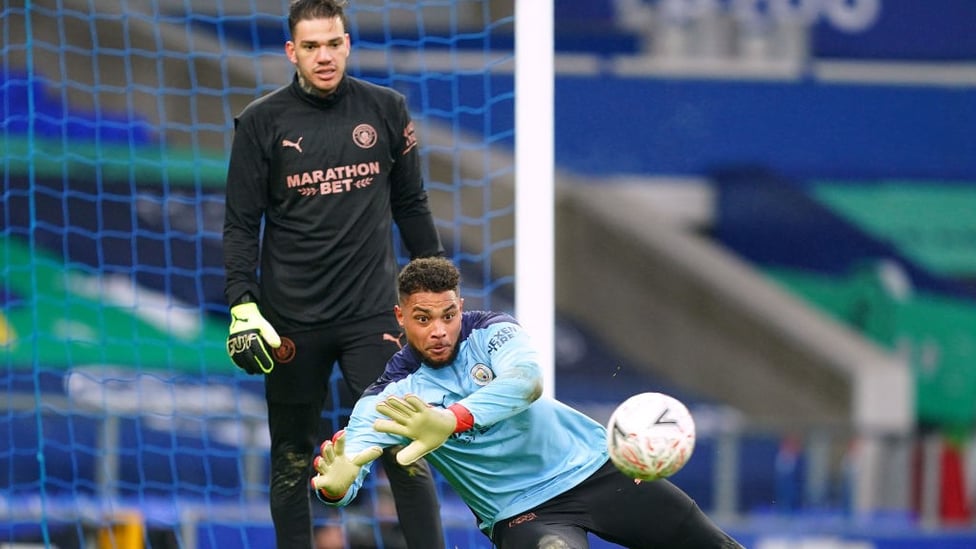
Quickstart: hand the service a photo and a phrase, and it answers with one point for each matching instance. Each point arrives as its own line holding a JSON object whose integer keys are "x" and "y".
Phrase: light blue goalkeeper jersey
{"x": 522, "y": 451}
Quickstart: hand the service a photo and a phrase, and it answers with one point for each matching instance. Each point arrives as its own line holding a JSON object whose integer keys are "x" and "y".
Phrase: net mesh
{"x": 124, "y": 423}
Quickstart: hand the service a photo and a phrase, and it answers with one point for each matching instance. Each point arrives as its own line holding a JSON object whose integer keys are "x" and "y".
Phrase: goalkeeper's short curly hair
{"x": 428, "y": 274}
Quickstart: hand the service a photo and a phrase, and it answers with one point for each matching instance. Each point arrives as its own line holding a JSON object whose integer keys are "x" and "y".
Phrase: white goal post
{"x": 534, "y": 174}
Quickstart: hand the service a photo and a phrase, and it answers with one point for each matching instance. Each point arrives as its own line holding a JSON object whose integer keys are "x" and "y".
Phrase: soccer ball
{"x": 650, "y": 436}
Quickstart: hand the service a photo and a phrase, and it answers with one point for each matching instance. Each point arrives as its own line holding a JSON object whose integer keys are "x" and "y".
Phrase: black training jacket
{"x": 324, "y": 174}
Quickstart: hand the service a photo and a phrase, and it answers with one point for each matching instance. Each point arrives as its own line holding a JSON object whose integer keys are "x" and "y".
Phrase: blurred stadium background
{"x": 766, "y": 208}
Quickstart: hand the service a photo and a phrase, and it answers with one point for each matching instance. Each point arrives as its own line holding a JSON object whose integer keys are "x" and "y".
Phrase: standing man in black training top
{"x": 328, "y": 163}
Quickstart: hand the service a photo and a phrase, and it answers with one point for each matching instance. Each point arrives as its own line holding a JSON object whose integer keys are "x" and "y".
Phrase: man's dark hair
{"x": 302, "y": 10}
{"x": 428, "y": 274}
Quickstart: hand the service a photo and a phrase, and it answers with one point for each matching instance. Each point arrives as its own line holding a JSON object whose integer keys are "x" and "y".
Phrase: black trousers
{"x": 645, "y": 515}
{"x": 296, "y": 392}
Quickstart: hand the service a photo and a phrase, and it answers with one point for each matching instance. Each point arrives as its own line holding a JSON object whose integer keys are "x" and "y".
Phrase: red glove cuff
{"x": 465, "y": 420}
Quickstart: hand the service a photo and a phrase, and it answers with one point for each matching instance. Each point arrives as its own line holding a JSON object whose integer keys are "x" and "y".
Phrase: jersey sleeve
{"x": 517, "y": 381}
{"x": 245, "y": 203}
{"x": 408, "y": 196}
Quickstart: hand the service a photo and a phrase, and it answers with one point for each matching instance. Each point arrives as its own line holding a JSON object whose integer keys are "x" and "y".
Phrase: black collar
{"x": 318, "y": 101}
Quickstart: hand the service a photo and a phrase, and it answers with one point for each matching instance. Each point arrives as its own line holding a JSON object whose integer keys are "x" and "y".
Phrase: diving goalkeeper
{"x": 466, "y": 393}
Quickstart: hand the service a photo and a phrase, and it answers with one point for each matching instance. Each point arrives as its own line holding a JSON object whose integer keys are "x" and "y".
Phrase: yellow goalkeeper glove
{"x": 429, "y": 427}
{"x": 250, "y": 334}
{"x": 336, "y": 472}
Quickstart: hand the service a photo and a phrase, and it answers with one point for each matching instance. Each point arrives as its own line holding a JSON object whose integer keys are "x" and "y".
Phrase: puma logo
{"x": 297, "y": 145}
{"x": 388, "y": 337}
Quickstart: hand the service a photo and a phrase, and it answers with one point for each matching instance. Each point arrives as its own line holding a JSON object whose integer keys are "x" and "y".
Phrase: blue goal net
{"x": 123, "y": 423}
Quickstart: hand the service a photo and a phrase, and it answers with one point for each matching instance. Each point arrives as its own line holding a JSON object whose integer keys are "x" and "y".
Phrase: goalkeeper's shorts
{"x": 618, "y": 509}
{"x": 304, "y": 363}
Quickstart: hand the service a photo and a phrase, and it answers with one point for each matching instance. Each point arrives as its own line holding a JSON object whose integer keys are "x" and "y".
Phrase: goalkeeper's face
{"x": 319, "y": 49}
{"x": 432, "y": 324}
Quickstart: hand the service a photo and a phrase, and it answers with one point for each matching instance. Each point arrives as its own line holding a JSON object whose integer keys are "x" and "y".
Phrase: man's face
{"x": 432, "y": 324}
{"x": 319, "y": 49}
